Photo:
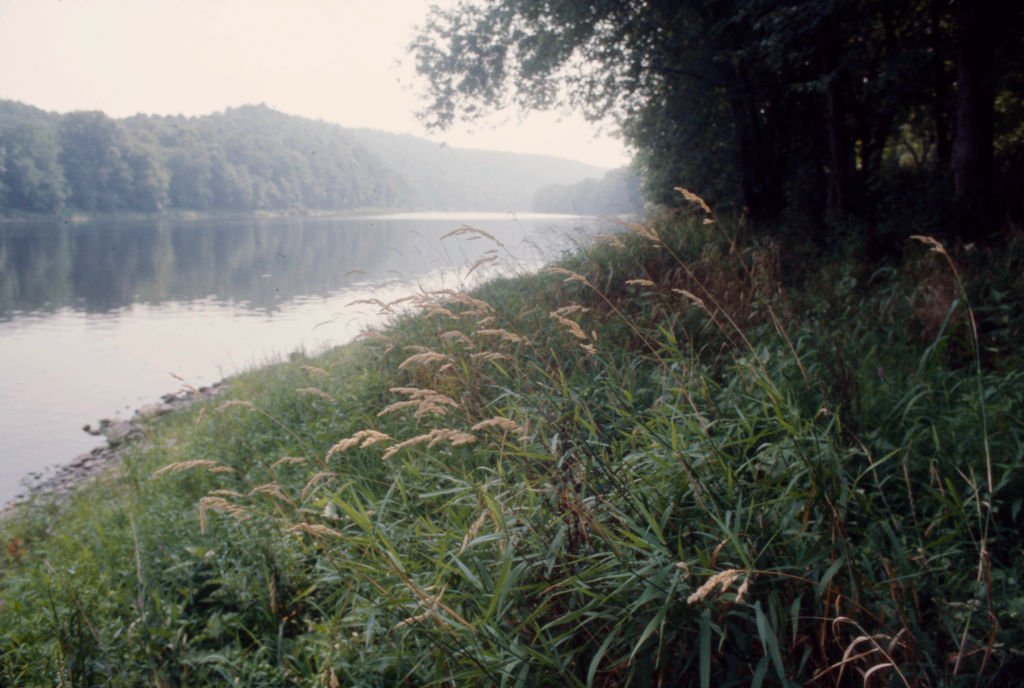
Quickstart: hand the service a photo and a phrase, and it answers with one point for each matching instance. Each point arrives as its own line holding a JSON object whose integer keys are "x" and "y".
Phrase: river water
{"x": 97, "y": 319}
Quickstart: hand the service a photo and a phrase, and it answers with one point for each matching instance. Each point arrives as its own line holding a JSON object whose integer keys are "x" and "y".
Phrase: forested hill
{"x": 448, "y": 178}
{"x": 616, "y": 193}
{"x": 246, "y": 159}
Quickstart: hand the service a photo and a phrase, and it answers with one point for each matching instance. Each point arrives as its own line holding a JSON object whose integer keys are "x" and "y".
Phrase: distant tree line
{"x": 802, "y": 113}
{"x": 616, "y": 193}
{"x": 248, "y": 158}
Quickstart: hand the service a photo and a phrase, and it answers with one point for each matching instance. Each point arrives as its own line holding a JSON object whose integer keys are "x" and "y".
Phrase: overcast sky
{"x": 343, "y": 61}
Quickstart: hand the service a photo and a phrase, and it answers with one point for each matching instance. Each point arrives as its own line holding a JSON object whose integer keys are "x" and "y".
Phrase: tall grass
{"x": 659, "y": 462}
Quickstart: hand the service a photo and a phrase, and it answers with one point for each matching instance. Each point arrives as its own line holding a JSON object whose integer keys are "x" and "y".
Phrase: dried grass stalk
{"x": 723, "y": 579}
{"x": 435, "y": 309}
{"x": 314, "y": 529}
{"x": 425, "y": 358}
{"x": 480, "y": 262}
{"x": 644, "y": 232}
{"x": 697, "y": 301}
{"x": 362, "y": 439}
{"x": 271, "y": 490}
{"x": 473, "y": 232}
{"x": 455, "y": 438}
{"x": 499, "y": 422}
{"x": 224, "y": 493}
{"x": 502, "y": 334}
{"x": 570, "y": 276}
{"x": 313, "y": 391}
{"x": 489, "y": 356}
{"x": 571, "y": 326}
{"x": 315, "y": 481}
{"x": 425, "y": 401}
{"x": 288, "y": 461}
{"x": 571, "y": 309}
{"x": 457, "y": 336}
{"x": 234, "y": 403}
{"x": 473, "y": 530}
{"x": 186, "y": 466}
{"x": 695, "y": 199}
{"x": 314, "y": 372}
{"x": 215, "y": 503}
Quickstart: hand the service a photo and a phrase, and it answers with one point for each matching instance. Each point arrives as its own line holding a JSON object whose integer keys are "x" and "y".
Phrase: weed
{"x": 659, "y": 462}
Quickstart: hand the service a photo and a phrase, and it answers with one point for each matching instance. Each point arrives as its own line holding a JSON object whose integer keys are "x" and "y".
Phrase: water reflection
{"x": 95, "y": 318}
{"x": 100, "y": 268}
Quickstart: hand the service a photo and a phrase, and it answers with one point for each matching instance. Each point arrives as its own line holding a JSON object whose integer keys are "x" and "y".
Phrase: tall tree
{"x": 975, "y": 115}
{"x": 92, "y": 148}
{"x": 32, "y": 174}
{"x": 719, "y": 95}
{"x": 763, "y": 105}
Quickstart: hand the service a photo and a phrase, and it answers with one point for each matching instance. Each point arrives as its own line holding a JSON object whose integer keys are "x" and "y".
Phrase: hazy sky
{"x": 343, "y": 61}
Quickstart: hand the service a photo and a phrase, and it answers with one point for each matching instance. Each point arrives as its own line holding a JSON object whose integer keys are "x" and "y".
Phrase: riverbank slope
{"x": 666, "y": 459}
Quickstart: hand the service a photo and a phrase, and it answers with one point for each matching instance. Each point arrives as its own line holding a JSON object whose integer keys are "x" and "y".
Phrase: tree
{"x": 716, "y": 95}
{"x": 764, "y": 106}
{"x": 973, "y": 153}
{"x": 92, "y": 153}
{"x": 32, "y": 174}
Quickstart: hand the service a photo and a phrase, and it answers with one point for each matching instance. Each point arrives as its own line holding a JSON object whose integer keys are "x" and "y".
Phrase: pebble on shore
{"x": 119, "y": 434}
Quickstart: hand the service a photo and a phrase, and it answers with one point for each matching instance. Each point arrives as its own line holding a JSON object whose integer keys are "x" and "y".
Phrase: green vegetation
{"x": 815, "y": 113}
{"x": 616, "y": 193}
{"x": 445, "y": 178}
{"x": 672, "y": 459}
{"x": 665, "y": 461}
{"x": 248, "y": 159}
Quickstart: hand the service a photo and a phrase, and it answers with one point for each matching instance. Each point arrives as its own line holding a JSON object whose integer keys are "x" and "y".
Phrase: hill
{"x": 445, "y": 178}
{"x": 618, "y": 192}
{"x": 250, "y": 158}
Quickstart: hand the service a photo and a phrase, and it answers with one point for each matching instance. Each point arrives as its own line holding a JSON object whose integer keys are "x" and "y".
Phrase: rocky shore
{"x": 61, "y": 481}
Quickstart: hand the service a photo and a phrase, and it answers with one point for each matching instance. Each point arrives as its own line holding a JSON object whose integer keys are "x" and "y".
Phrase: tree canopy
{"x": 805, "y": 108}
{"x": 250, "y": 158}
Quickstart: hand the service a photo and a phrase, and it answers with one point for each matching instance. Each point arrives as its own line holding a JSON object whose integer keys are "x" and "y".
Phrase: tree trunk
{"x": 941, "y": 83}
{"x": 840, "y": 151}
{"x": 975, "y": 106}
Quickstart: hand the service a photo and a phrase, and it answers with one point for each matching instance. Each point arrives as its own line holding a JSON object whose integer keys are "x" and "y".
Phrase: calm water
{"x": 98, "y": 319}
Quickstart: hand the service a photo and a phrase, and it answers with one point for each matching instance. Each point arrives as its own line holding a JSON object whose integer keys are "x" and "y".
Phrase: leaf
{"x": 836, "y": 565}
{"x": 704, "y": 643}
{"x": 759, "y": 672}
{"x": 598, "y": 656}
{"x": 769, "y": 642}
{"x": 656, "y": 621}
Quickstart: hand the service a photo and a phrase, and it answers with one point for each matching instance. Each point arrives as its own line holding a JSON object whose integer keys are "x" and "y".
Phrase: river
{"x": 99, "y": 318}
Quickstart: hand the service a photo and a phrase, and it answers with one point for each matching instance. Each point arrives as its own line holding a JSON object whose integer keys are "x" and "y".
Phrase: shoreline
{"x": 180, "y": 215}
{"x": 59, "y": 481}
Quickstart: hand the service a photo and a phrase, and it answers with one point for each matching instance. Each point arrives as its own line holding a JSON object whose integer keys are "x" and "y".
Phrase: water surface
{"x": 97, "y": 319}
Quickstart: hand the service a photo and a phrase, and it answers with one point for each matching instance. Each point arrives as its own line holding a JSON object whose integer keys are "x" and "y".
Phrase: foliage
{"x": 30, "y": 177}
{"x": 774, "y": 109}
{"x": 442, "y": 177}
{"x": 654, "y": 463}
{"x": 247, "y": 159}
{"x": 616, "y": 193}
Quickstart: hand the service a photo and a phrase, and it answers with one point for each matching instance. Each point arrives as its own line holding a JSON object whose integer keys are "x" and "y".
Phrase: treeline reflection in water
{"x": 104, "y": 267}
{"x": 95, "y": 318}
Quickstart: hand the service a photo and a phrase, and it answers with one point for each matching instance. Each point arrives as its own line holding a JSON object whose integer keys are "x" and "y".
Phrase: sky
{"x": 342, "y": 61}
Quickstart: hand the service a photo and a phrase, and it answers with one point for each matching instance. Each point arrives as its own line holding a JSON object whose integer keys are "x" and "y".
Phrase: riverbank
{"x": 658, "y": 461}
{"x": 120, "y": 217}
{"x": 95, "y": 318}
{"x": 56, "y": 483}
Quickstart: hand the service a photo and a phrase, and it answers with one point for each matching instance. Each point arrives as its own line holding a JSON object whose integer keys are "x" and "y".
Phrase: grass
{"x": 663, "y": 461}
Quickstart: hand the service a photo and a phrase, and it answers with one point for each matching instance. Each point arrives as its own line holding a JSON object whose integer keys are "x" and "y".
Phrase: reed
{"x": 658, "y": 463}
